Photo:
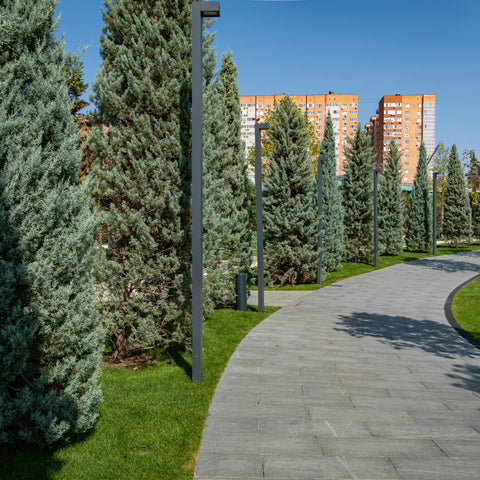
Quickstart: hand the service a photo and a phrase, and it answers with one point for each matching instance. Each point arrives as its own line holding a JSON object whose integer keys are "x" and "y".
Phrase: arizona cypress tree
{"x": 290, "y": 217}
{"x": 476, "y": 222}
{"x": 332, "y": 223}
{"x": 235, "y": 171}
{"x": 418, "y": 235}
{"x": 227, "y": 231}
{"x": 358, "y": 198}
{"x": 457, "y": 214}
{"x": 143, "y": 175}
{"x": 51, "y": 341}
{"x": 391, "y": 207}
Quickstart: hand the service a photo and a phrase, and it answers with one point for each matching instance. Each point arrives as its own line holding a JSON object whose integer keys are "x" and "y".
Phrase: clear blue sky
{"x": 371, "y": 48}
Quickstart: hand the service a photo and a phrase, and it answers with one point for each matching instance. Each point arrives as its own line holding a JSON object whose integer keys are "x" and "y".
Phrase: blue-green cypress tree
{"x": 227, "y": 233}
{"x": 418, "y": 236}
{"x": 51, "y": 340}
{"x": 358, "y": 198}
{"x": 290, "y": 210}
{"x": 143, "y": 171}
{"x": 457, "y": 214}
{"x": 391, "y": 206}
{"x": 333, "y": 247}
{"x": 476, "y": 221}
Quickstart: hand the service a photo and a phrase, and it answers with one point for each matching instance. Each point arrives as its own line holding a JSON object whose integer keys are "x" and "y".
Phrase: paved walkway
{"x": 364, "y": 379}
{"x": 277, "y": 298}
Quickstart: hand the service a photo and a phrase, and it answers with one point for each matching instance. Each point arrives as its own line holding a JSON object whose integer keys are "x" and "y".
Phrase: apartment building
{"x": 342, "y": 107}
{"x": 408, "y": 119}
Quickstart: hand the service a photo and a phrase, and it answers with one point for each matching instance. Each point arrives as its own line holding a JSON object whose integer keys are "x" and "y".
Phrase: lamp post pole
{"x": 375, "y": 214}
{"x": 258, "y": 187}
{"x": 199, "y": 10}
{"x": 434, "y": 207}
{"x": 320, "y": 216}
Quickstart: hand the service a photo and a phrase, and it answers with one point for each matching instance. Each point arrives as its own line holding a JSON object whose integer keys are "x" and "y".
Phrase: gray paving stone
{"x": 261, "y": 444}
{"x": 437, "y": 469}
{"x": 364, "y": 379}
{"x": 379, "y": 447}
{"x": 223, "y": 466}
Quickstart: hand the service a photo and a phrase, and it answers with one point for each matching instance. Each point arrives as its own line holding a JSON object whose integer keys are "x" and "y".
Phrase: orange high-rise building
{"x": 409, "y": 119}
{"x": 342, "y": 107}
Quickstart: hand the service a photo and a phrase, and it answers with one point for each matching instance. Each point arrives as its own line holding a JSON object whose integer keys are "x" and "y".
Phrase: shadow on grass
{"x": 407, "y": 333}
{"x": 28, "y": 463}
{"x": 177, "y": 354}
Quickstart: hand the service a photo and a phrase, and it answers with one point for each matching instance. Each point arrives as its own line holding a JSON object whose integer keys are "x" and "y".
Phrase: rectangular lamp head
{"x": 209, "y": 9}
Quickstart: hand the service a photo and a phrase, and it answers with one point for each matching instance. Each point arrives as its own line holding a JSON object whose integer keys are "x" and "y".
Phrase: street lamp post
{"x": 434, "y": 232}
{"x": 199, "y": 11}
{"x": 258, "y": 187}
{"x": 320, "y": 216}
{"x": 375, "y": 214}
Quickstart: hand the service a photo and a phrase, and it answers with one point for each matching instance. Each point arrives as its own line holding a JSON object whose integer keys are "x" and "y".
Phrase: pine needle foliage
{"x": 227, "y": 233}
{"x": 333, "y": 247}
{"x": 51, "y": 340}
{"x": 143, "y": 173}
{"x": 290, "y": 210}
{"x": 358, "y": 198}
{"x": 457, "y": 214}
{"x": 391, "y": 206}
{"x": 418, "y": 235}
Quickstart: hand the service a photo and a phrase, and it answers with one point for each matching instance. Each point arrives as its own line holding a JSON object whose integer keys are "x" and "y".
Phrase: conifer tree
{"x": 418, "y": 235}
{"x": 457, "y": 216}
{"x": 476, "y": 222}
{"x": 227, "y": 233}
{"x": 358, "y": 198}
{"x": 143, "y": 95}
{"x": 290, "y": 211}
{"x": 391, "y": 206}
{"x": 333, "y": 247}
{"x": 51, "y": 340}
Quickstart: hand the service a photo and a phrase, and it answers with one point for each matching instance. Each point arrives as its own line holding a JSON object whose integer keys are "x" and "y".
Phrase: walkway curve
{"x": 363, "y": 379}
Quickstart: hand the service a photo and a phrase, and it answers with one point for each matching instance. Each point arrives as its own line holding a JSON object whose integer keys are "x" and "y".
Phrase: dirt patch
{"x": 132, "y": 361}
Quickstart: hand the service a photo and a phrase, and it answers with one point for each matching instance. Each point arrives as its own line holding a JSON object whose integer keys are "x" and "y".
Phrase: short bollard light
{"x": 241, "y": 288}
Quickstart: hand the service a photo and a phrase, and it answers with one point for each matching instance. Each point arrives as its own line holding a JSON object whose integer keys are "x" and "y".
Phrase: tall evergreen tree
{"x": 333, "y": 247}
{"x": 476, "y": 222}
{"x": 418, "y": 235}
{"x": 391, "y": 206}
{"x": 235, "y": 172}
{"x": 457, "y": 218}
{"x": 227, "y": 233}
{"x": 142, "y": 179}
{"x": 290, "y": 210}
{"x": 358, "y": 198}
{"x": 51, "y": 340}
{"x": 74, "y": 76}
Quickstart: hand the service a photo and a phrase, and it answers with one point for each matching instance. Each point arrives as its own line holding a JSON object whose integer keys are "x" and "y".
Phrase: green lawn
{"x": 466, "y": 308}
{"x": 152, "y": 418}
{"x": 352, "y": 269}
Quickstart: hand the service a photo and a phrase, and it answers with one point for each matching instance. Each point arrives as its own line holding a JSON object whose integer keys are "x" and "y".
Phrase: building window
{"x": 319, "y": 105}
{"x": 407, "y": 105}
{"x": 353, "y": 104}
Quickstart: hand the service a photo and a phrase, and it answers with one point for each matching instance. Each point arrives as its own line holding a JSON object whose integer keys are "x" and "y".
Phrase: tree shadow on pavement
{"x": 404, "y": 333}
{"x": 450, "y": 266}
{"x": 466, "y": 376}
